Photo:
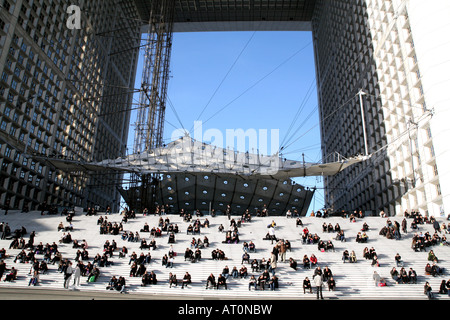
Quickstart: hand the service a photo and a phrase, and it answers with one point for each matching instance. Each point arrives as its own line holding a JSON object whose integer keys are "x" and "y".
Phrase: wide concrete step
{"x": 354, "y": 280}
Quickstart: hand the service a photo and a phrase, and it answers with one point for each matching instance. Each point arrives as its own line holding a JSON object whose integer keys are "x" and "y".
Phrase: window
{"x": 6, "y": 5}
{"x": 4, "y": 76}
{"x": 12, "y": 131}
{"x": 14, "y": 84}
{"x": 3, "y": 125}
{"x": 7, "y": 111}
{"x": 429, "y": 132}
{"x": 5, "y": 165}
{"x": 8, "y": 64}
{"x": 20, "y": 59}
{"x": 8, "y": 152}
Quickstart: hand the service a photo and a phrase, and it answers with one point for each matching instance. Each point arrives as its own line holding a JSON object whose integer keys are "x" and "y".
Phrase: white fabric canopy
{"x": 190, "y": 156}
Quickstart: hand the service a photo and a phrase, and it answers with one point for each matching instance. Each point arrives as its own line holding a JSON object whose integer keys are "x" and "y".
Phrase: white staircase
{"x": 354, "y": 280}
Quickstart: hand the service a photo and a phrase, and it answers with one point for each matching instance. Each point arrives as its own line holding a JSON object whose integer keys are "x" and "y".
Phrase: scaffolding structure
{"x": 149, "y": 125}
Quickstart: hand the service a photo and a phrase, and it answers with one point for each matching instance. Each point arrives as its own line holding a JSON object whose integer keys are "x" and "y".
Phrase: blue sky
{"x": 246, "y": 80}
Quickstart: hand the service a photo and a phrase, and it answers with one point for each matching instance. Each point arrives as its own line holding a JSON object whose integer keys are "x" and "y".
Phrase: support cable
{"x": 258, "y": 82}
{"x": 226, "y": 76}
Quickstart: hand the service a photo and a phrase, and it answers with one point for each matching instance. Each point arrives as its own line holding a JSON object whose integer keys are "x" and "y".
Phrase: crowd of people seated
{"x": 102, "y": 260}
{"x": 416, "y": 216}
{"x": 66, "y": 238}
{"x": 263, "y": 281}
{"x": 371, "y": 254}
{"x": 231, "y": 237}
{"x": 212, "y": 283}
{"x": 268, "y": 278}
{"x": 218, "y": 254}
{"x": 193, "y": 256}
{"x": 341, "y": 236}
{"x": 402, "y": 276}
{"x": 433, "y": 269}
{"x": 421, "y": 241}
{"x": 350, "y": 257}
{"x": 128, "y": 214}
{"x": 391, "y": 230}
{"x": 61, "y": 227}
{"x": 232, "y": 234}
{"x": 309, "y": 238}
{"x": 329, "y": 227}
{"x": 362, "y": 237}
{"x": 91, "y": 211}
{"x": 149, "y": 245}
{"x": 149, "y": 278}
{"x": 249, "y": 247}
{"x": 8, "y": 235}
{"x": 246, "y": 216}
{"x": 117, "y": 284}
{"x": 324, "y": 246}
{"x": 107, "y": 227}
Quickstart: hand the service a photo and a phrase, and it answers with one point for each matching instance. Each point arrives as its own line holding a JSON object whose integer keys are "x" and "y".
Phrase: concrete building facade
{"x": 62, "y": 94}
{"x": 394, "y": 51}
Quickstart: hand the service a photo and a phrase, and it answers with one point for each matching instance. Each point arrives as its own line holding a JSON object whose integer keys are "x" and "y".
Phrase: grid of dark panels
{"x": 237, "y": 10}
{"x": 204, "y": 191}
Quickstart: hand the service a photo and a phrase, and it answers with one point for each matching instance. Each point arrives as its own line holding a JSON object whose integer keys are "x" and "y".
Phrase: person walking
{"x": 404, "y": 226}
{"x": 67, "y": 275}
{"x": 282, "y": 251}
{"x": 2, "y": 268}
{"x": 318, "y": 281}
{"x": 77, "y": 276}
{"x": 6, "y": 206}
{"x": 272, "y": 236}
{"x": 436, "y": 226}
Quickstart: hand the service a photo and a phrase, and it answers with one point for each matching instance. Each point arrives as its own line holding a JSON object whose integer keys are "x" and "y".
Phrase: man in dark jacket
{"x": 186, "y": 280}
{"x": 436, "y": 226}
{"x": 2, "y": 268}
{"x": 211, "y": 281}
